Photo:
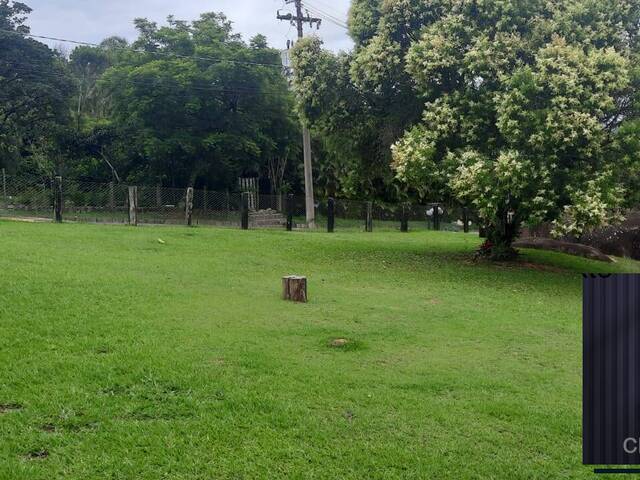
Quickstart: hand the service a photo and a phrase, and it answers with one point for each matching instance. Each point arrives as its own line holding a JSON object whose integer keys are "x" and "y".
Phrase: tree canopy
{"x": 525, "y": 110}
{"x": 186, "y": 103}
{"x": 205, "y": 105}
{"x": 529, "y": 109}
{"x": 35, "y": 90}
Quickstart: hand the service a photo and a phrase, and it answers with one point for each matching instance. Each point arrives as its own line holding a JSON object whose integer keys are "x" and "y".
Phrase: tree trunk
{"x": 500, "y": 238}
{"x": 294, "y": 288}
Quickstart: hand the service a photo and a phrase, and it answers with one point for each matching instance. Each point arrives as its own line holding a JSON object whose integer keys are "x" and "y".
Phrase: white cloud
{"x": 93, "y": 20}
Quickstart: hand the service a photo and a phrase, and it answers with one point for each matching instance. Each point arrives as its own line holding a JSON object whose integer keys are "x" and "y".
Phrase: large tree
{"x": 359, "y": 103}
{"x": 187, "y": 103}
{"x": 527, "y": 110}
{"x": 206, "y": 106}
{"x": 34, "y": 95}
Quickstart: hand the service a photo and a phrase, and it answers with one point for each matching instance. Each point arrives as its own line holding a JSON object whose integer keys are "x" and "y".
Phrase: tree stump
{"x": 294, "y": 288}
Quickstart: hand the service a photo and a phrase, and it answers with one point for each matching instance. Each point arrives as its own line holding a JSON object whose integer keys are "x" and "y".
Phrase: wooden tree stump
{"x": 294, "y": 288}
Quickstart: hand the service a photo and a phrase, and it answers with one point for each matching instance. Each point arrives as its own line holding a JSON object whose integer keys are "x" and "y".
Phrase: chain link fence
{"x": 34, "y": 197}
{"x": 94, "y": 202}
{"x": 26, "y": 196}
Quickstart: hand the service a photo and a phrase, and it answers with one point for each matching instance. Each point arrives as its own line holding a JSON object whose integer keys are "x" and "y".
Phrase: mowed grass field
{"x": 125, "y": 358}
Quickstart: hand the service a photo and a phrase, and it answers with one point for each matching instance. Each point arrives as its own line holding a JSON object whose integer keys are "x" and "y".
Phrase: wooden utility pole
{"x": 299, "y": 20}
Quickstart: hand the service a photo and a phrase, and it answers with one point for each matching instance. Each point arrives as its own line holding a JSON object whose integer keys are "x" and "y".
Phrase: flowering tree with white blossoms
{"x": 525, "y": 110}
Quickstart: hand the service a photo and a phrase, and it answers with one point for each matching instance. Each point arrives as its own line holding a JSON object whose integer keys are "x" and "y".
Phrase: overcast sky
{"x": 93, "y": 20}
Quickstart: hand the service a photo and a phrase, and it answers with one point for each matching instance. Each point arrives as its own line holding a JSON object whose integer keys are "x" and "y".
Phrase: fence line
{"x": 80, "y": 201}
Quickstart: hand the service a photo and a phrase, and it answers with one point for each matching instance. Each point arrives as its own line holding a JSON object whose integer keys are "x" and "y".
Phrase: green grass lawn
{"x": 123, "y": 358}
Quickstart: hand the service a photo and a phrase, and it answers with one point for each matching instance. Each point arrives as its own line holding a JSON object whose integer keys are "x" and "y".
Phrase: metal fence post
{"x": 4, "y": 189}
{"x": 244, "y": 211}
{"x": 369, "y": 217}
{"x": 404, "y": 219}
{"x": 189, "y": 207}
{"x": 289, "y": 212}
{"x": 133, "y": 206}
{"x": 57, "y": 199}
{"x": 331, "y": 215}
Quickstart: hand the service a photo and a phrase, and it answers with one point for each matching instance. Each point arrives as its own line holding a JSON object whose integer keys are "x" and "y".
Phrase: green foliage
{"x": 364, "y": 16}
{"x": 200, "y": 120}
{"x": 13, "y": 15}
{"x": 355, "y": 127}
{"x": 527, "y": 107}
{"x": 186, "y": 103}
{"x": 34, "y": 95}
{"x": 526, "y": 110}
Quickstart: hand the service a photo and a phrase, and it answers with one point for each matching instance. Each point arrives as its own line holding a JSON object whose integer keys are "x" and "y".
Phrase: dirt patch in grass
{"x": 37, "y": 454}
{"x": 76, "y": 427}
{"x": 344, "y": 344}
{"x": 519, "y": 264}
{"x": 49, "y": 428}
{"x": 10, "y": 407}
{"x": 539, "y": 267}
{"x": 114, "y": 390}
{"x": 349, "y": 415}
{"x": 29, "y": 219}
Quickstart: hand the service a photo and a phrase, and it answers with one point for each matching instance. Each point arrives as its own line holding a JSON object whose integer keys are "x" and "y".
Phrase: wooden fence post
{"x": 244, "y": 211}
{"x": 133, "y": 206}
{"x": 369, "y": 217}
{"x": 436, "y": 216}
{"x": 465, "y": 219}
{"x": 189, "y": 207}
{"x": 404, "y": 218}
{"x": 4, "y": 188}
{"x": 331, "y": 215}
{"x": 289, "y": 212}
{"x": 57, "y": 199}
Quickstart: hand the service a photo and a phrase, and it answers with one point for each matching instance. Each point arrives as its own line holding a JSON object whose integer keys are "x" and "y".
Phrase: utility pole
{"x": 299, "y": 20}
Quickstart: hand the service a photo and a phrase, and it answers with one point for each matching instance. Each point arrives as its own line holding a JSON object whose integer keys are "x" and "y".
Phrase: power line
{"x": 327, "y": 16}
{"x": 159, "y": 53}
{"x": 328, "y": 19}
{"x": 149, "y": 82}
{"x": 330, "y": 8}
{"x": 326, "y": 12}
